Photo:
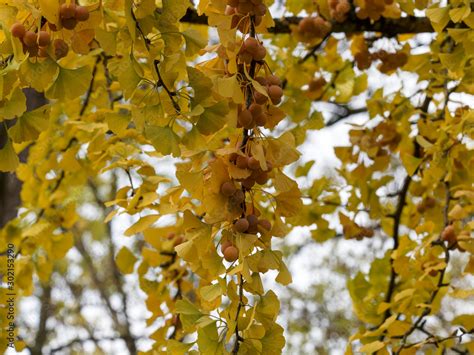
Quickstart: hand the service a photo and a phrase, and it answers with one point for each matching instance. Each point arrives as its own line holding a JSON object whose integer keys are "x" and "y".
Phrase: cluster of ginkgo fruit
{"x": 256, "y": 115}
{"x": 339, "y": 9}
{"x": 240, "y": 11}
{"x": 70, "y": 15}
{"x": 426, "y": 204}
{"x": 37, "y": 42}
{"x": 312, "y": 27}
{"x": 372, "y": 9}
{"x": 260, "y": 93}
{"x": 272, "y": 85}
{"x": 252, "y": 50}
{"x": 389, "y": 61}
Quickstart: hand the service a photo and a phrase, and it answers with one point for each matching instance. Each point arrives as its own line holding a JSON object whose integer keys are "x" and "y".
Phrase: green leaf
{"x": 439, "y": 17}
{"x": 29, "y": 125}
{"x": 188, "y": 314}
{"x": 117, "y": 121}
{"x": 39, "y": 74}
{"x": 201, "y": 85}
{"x": 8, "y": 158}
{"x": 70, "y": 83}
{"x": 194, "y": 41}
{"x": 213, "y": 118}
{"x": 13, "y": 106}
{"x": 208, "y": 340}
{"x": 163, "y": 139}
{"x": 129, "y": 75}
{"x": 273, "y": 342}
{"x": 410, "y": 163}
{"x": 211, "y": 292}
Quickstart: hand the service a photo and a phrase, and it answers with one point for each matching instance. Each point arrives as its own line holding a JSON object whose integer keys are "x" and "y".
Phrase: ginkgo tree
{"x": 231, "y": 92}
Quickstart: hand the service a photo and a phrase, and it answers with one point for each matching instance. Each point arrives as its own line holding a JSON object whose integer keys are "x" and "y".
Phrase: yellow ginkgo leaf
{"x": 8, "y": 158}
{"x": 125, "y": 260}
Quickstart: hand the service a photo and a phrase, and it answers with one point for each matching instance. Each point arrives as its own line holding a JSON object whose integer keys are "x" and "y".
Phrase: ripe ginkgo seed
{"x": 18, "y": 30}
{"x": 231, "y": 253}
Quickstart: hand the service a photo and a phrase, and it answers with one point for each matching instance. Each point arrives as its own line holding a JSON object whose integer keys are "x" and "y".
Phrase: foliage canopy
{"x": 231, "y": 93}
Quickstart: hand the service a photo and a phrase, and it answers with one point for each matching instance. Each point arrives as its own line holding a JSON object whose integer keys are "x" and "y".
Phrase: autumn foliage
{"x": 232, "y": 92}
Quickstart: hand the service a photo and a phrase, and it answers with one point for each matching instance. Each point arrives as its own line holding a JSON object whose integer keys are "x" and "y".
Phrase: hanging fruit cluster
{"x": 310, "y": 28}
{"x": 241, "y": 9}
{"x": 70, "y": 15}
{"x": 34, "y": 43}
{"x": 389, "y": 61}
{"x": 252, "y": 50}
{"x": 339, "y": 9}
{"x": 38, "y": 41}
{"x": 372, "y": 9}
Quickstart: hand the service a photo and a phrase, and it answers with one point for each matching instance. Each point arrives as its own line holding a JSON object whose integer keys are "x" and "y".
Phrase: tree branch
{"x": 390, "y": 27}
{"x": 42, "y": 333}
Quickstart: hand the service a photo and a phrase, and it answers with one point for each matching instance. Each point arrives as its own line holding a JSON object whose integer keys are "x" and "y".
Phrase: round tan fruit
{"x": 261, "y": 178}
{"x": 261, "y": 120}
{"x": 238, "y": 197}
{"x": 225, "y": 245}
{"x": 44, "y": 39}
{"x": 29, "y": 39}
{"x": 260, "y": 53}
{"x": 248, "y": 183}
{"x": 256, "y": 110}
{"x": 275, "y": 92}
{"x": 306, "y": 25}
{"x": 261, "y": 80}
{"x": 241, "y": 225}
{"x": 253, "y": 163}
{"x": 260, "y": 98}
{"x": 429, "y": 202}
{"x": 253, "y": 220}
{"x": 242, "y": 162}
{"x": 69, "y": 23}
{"x": 228, "y": 188}
{"x": 449, "y": 234}
{"x": 316, "y": 84}
{"x": 67, "y": 11}
{"x": 231, "y": 253}
{"x": 244, "y": 7}
{"x": 273, "y": 80}
{"x": 269, "y": 166}
{"x": 81, "y": 13}
{"x": 60, "y": 48}
{"x": 251, "y": 45}
{"x": 18, "y": 30}
{"x": 245, "y": 119}
{"x": 260, "y": 10}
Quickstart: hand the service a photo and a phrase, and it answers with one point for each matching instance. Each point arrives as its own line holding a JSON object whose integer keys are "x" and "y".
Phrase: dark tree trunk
{"x": 10, "y": 186}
